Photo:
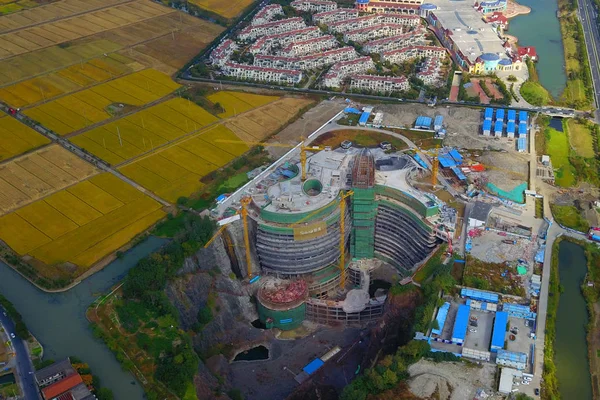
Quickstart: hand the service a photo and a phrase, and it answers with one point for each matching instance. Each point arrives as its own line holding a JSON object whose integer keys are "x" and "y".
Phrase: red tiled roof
{"x": 61, "y": 386}
{"x": 527, "y": 51}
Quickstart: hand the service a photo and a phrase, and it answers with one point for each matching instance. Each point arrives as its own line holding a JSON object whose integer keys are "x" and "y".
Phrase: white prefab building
{"x": 376, "y": 83}
{"x": 253, "y": 72}
{"x": 370, "y": 20}
{"x": 221, "y": 54}
{"x": 306, "y": 62}
{"x": 336, "y": 15}
{"x": 263, "y": 44}
{"x": 314, "y": 5}
{"x": 254, "y": 31}
{"x": 373, "y": 31}
{"x": 410, "y": 52}
{"x": 431, "y": 72}
{"x": 266, "y": 14}
{"x": 416, "y": 37}
{"x": 313, "y": 45}
{"x": 341, "y": 70}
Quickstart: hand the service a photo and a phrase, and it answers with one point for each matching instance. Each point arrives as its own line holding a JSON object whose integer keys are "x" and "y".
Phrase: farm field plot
{"x": 224, "y": 9}
{"x": 32, "y": 176}
{"x": 129, "y": 137}
{"x": 237, "y": 102}
{"x": 66, "y": 80}
{"x": 176, "y": 170}
{"x": 17, "y": 138}
{"x": 73, "y": 229}
{"x": 79, "y": 110}
{"x": 12, "y": 6}
{"x": 261, "y": 122}
{"x": 56, "y": 32}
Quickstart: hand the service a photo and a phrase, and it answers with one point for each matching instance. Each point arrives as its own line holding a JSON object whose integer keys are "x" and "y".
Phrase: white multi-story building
{"x": 374, "y": 83}
{"x": 264, "y": 44}
{"x": 306, "y": 62}
{"x": 410, "y": 52}
{"x": 412, "y": 38}
{"x": 339, "y": 71}
{"x": 372, "y": 32}
{"x": 252, "y": 32}
{"x": 370, "y": 20}
{"x": 255, "y": 73}
{"x": 313, "y": 45}
{"x": 431, "y": 72}
{"x": 333, "y": 16}
{"x": 314, "y": 5}
{"x": 266, "y": 14}
{"x": 222, "y": 53}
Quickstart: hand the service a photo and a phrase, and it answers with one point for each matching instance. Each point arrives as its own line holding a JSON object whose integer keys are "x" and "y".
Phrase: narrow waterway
{"x": 59, "y": 323}
{"x": 571, "y": 352}
{"x": 541, "y": 29}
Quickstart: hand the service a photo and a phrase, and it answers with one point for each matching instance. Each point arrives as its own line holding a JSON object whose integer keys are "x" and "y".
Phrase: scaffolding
{"x": 364, "y": 206}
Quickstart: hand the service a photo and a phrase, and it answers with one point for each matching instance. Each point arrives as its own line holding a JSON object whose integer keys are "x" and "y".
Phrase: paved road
{"x": 24, "y": 366}
{"x": 589, "y": 21}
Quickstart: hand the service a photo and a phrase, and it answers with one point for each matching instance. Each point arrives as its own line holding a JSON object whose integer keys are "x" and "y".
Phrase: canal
{"x": 59, "y": 323}
{"x": 541, "y": 29}
{"x": 570, "y": 348}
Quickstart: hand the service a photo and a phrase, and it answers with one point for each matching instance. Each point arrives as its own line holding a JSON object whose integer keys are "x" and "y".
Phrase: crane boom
{"x": 245, "y": 201}
{"x": 343, "y": 238}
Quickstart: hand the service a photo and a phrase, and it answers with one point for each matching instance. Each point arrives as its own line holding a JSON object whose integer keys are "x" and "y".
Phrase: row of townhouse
{"x": 373, "y": 31}
{"x": 252, "y": 72}
{"x": 266, "y": 14}
{"x": 222, "y": 53}
{"x": 252, "y": 32}
{"x": 313, "y": 45}
{"x": 306, "y": 62}
{"x": 339, "y": 71}
{"x": 412, "y": 38}
{"x": 314, "y": 5}
{"x": 264, "y": 44}
{"x": 333, "y": 16}
{"x": 370, "y": 20}
{"x": 431, "y": 72}
{"x": 375, "y": 83}
{"x": 410, "y": 52}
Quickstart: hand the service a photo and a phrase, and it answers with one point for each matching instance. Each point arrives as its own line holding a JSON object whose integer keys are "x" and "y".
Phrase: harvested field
{"x": 73, "y": 229}
{"x": 17, "y": 138}
{"x": 581, "y": 138}
{"x": 32, "y": 176}
{"x": 26, "y": 39}
{"x": 225, "y": 9}
{"x": 176, "y": 170}
{"x": 77, "y": 111}
{"x": 236, "y": 102}
{"x": 129, "y": 137}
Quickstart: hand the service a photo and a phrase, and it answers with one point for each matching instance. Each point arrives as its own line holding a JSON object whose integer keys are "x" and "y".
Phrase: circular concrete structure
{"x": 312, "y": 187}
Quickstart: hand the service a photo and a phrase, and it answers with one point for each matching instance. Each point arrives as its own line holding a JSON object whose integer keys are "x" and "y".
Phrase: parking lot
{"x": 522, "y": 342}
{"x": 480, "y": 336}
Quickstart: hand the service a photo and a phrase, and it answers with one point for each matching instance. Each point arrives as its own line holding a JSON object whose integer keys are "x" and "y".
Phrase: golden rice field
{"x": 176, "y": 171}
{"x": 238, "y": 102}
{"x": 34, "y": 175}
{"x": 66, "y": 80}
{"x": 79, "y": 110}
{"x": 260, "y": 123}
{"x": 223, "y": 8}
{"x": 79, "y": 225}
{"x": 52, "y": 32}
{"x": 129, "y": 137}
{"x": 12, "y": 6}
{"x": 17, "y": 138}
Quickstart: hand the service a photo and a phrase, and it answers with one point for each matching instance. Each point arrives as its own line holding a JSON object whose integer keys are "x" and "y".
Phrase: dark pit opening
{"x": 258, "y": 324}
{"x": 254, "y": 354}
{"x": 378, "y": 284}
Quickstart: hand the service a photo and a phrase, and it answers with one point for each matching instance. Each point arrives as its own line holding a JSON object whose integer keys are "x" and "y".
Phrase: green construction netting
{"x": 517, "y": 194}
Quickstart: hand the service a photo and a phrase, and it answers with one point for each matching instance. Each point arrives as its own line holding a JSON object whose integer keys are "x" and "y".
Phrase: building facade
{"x": 256, "y": 73}
{"x": 266, "y": 14}
{"x": 372, "y": 32}
{"x": 306, "y": 62}
{"x": 431, "y": 72}
{"x": 339, "y": 71}
{"x": 410, "y": 7}
{"x": 264, "y": 44}
{"x": 411, "y": 52}
{"x": 370, "y": 20}
{"x": 339, "y": 14}
{"x": 300, "y": 48}
{"x": 386, "y": 84}
{"x": 254, "y": 31}
{"x": 222, "y": 53}
{"x": 416, "y": 37}
{"x": 314, "y": 5}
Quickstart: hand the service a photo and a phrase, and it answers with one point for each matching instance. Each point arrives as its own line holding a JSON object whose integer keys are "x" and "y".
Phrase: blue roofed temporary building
{"x": 511, "y": 359}
{"x": 499, "y": 331}
{"x": 352, "y": 110}
{"x": 437, "y": 123}
{"x": 498, "y": 127}
{"x": 522, "y": 128}
{"x": 518, "y": 311}
{"x": 479, "y": 295}
{"x": 423, "y": 122}
{"x": 458, "y": 173}
{"x": 512, "y": 115}
{"x": 510, "y": 129}
{"x": 541, "y": 254}
{"x": 420, "y": 161}
{"x": 523, "y": 116}
{"x": 460, "y": 324}
{"x": 364, "y": 118}
{"x": 500, "y": 114}
{"x": 456, "y": 156}
{"x": 487, "y": 127}
{"x": 446, "y": 162}
{"x": 313, "y": 366}
{"x": 488, "y": 113}
{"x": 521, "y": 144}
{"x": 441, "y": 318}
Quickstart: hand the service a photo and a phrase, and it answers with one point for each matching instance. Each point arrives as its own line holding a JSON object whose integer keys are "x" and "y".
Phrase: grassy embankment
{"x": 550, "y": 383}
{"x": 570, "y": 217}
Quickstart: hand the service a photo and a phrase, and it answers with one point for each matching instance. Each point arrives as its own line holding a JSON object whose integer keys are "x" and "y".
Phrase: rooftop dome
{"x": 489, "y": 57}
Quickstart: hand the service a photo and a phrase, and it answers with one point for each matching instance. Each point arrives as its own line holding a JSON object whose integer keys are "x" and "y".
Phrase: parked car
{"x": 346, "y": 144}
{"x": 12, "y": 335}
{"x": 525, "y": 382}
{"x": 537, "y": 391}
{"x": 385, "y": 146}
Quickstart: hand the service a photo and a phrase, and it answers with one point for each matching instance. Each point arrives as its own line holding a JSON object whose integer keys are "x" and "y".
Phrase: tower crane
{"x": 435, "y": 166}
{"x": 343, "y": 198}
{"x": 245, "y": 201}
{"x": 303, "y": 149}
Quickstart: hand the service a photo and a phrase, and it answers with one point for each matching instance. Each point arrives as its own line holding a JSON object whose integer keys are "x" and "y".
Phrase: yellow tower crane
{"x": 435, "y": 166}
{"x": 303, "y": 149}
{"x": 245, "y": 201}
{"x": 344, "y": 196}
